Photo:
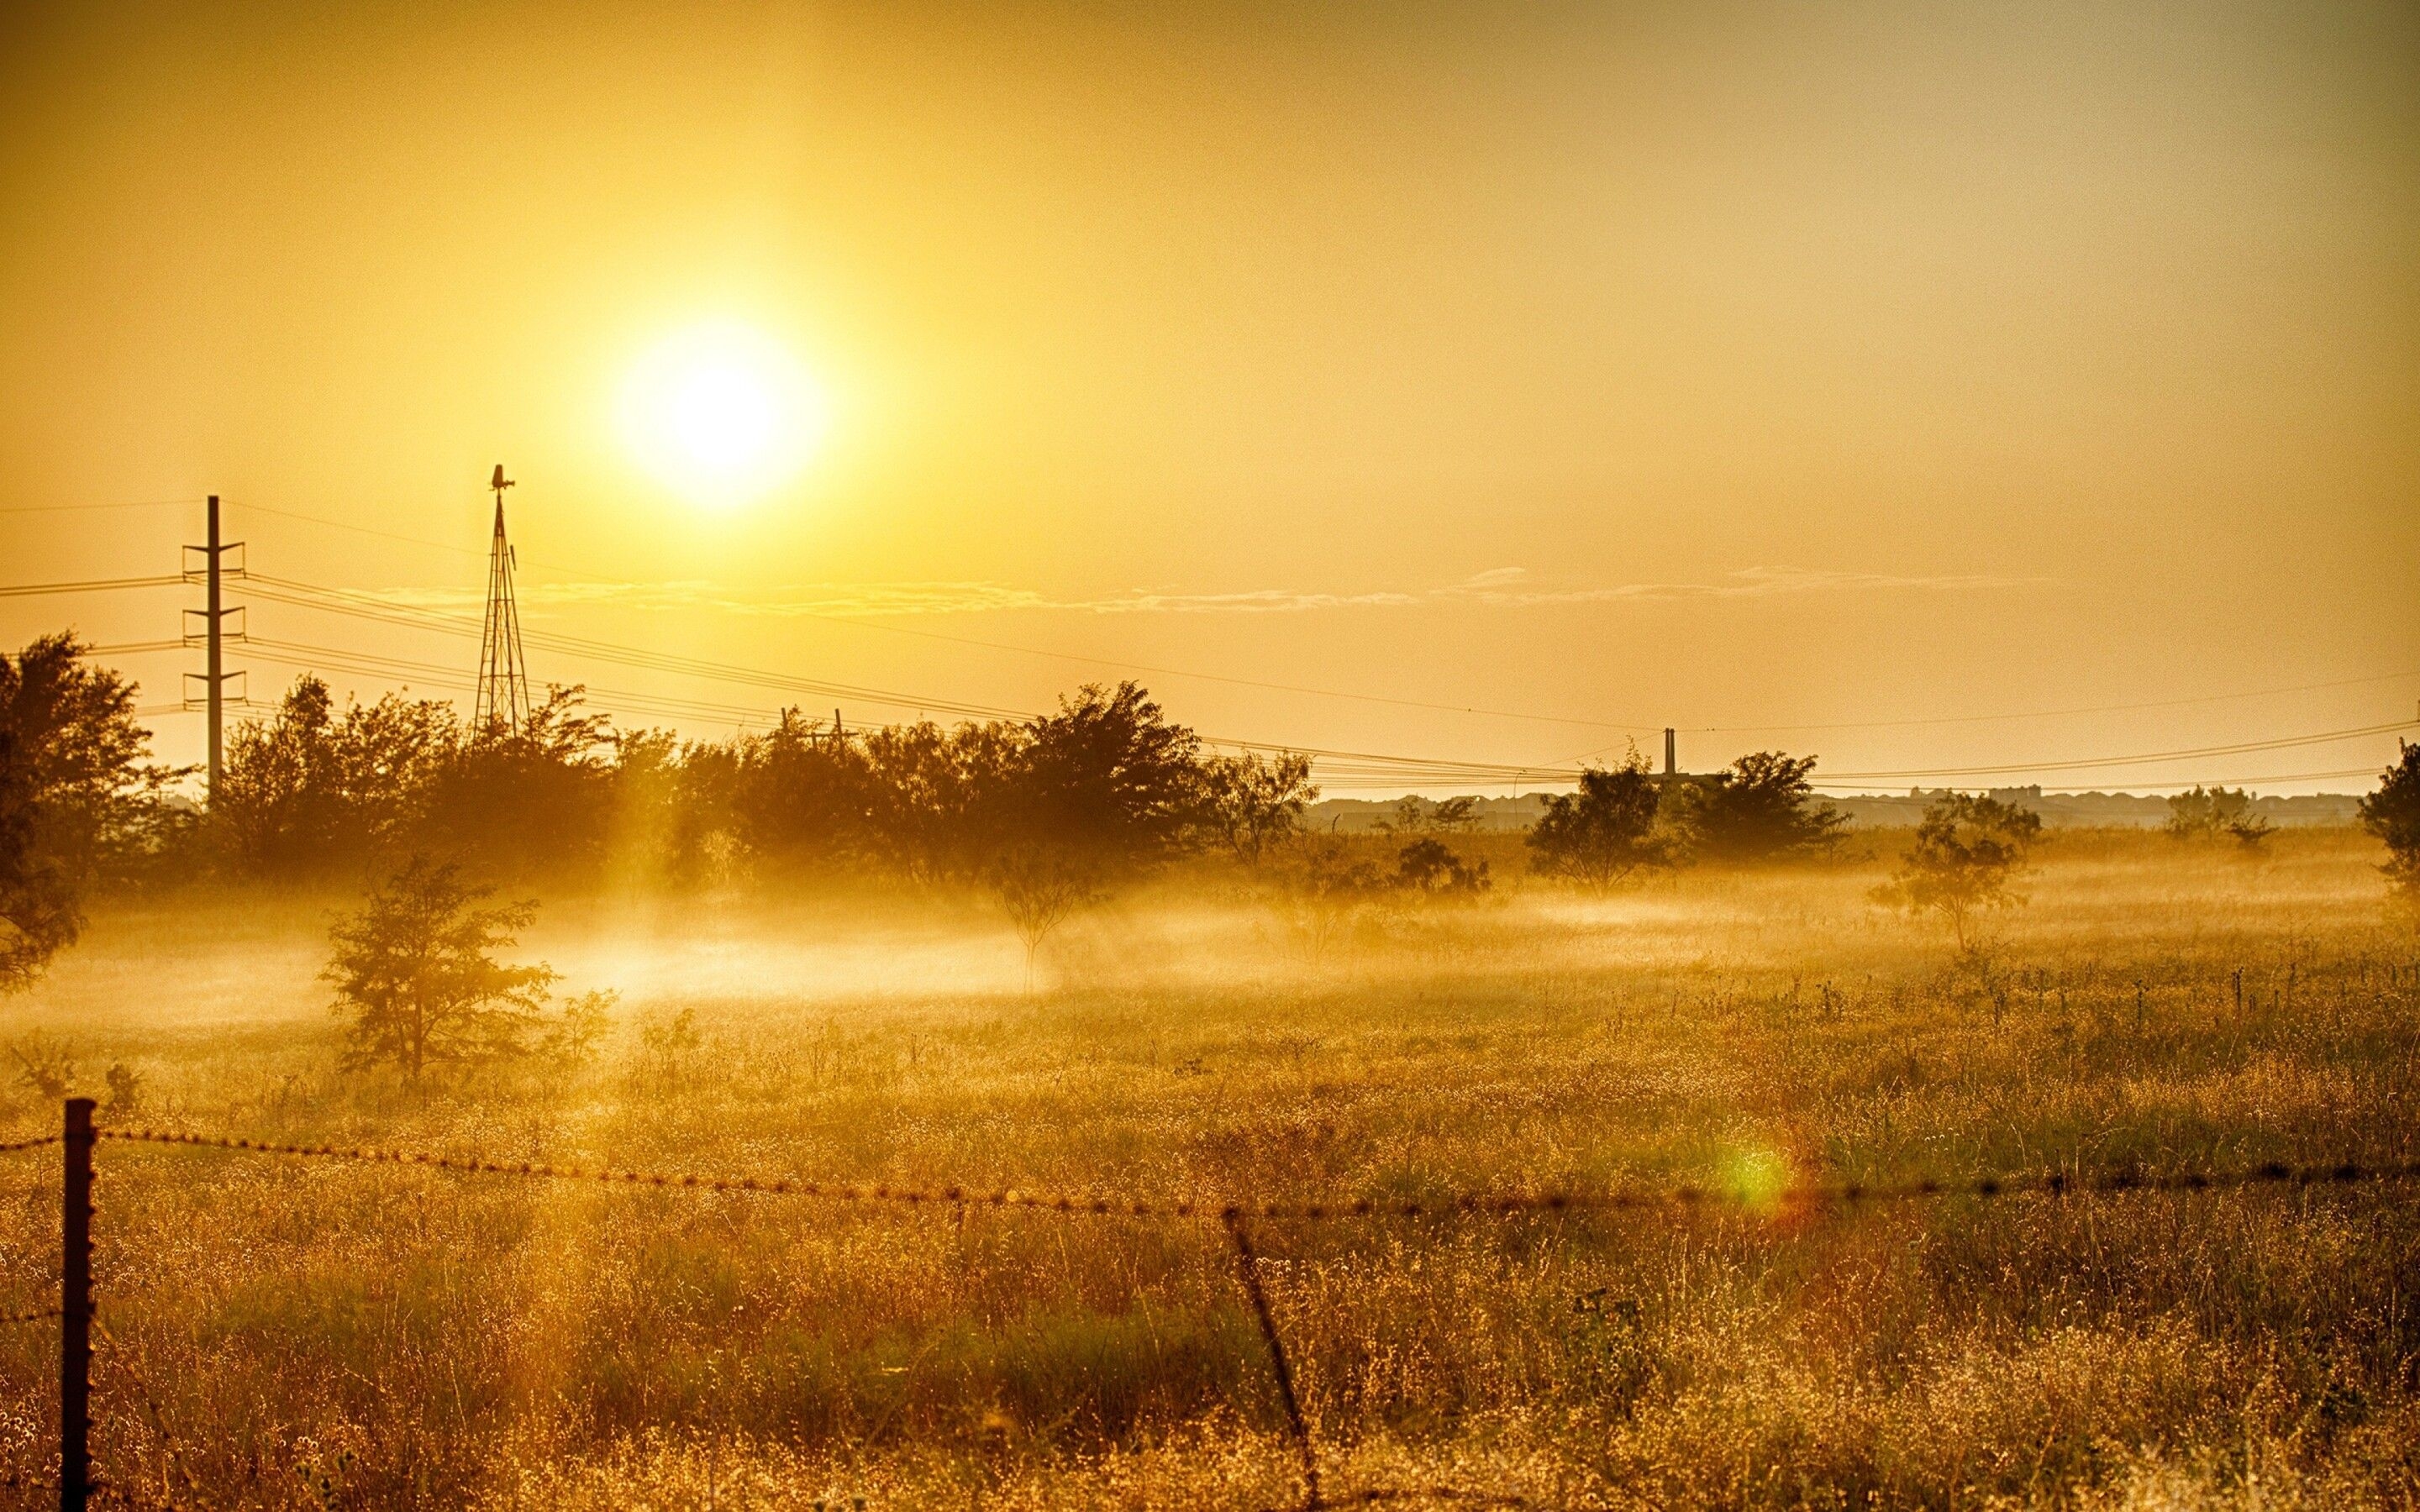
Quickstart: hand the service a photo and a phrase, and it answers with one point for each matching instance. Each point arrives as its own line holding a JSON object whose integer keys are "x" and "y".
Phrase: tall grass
{"x": 287, "y": 1334}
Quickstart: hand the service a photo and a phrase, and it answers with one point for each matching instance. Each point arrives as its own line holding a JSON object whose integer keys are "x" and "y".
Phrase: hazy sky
{"x": 1712, "y": 365}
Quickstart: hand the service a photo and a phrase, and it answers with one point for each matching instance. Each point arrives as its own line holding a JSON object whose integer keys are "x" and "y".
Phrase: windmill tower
{"x": 503, "y": 703}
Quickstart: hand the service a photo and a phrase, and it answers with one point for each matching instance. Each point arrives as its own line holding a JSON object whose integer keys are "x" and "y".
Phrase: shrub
{"x": 1762, "y": 808}
{"x": 75, "y": 793}
{"x": 1966, "y": 849}
{"x": 2205, "y": 814}
{"x": 2393, "y": 814}
{"x": 1604, "y": 831}
{"x": 418, "y": 984}
{"x": 1428, "y": 868}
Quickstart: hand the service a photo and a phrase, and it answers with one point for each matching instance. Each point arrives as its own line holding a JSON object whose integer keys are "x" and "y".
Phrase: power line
{"x": 1028, "y": 651}
{"x": 89, "y": 585}
{"x": 2239, "y": 748}
{"x": 130, "y": 648}
{"x": 2195, "y": 782}
{"x": 307, "y": 657}
{"x": 344, "y": 601}
{"x": 1422, "y": 703}
{"x": 2061, "y": 713}
{"x": 1342, "y": 765}
{"x": 1345, "y": 765}
{"x": 880, "y": 697}
{"x": 130, "y": 503}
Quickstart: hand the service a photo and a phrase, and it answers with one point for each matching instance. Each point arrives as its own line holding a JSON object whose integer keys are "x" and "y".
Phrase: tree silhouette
{"x": 74, "y": 791}
{"x": 1966, "y": 849}
{"x": 2393, "y": 814}
{"x": 1604, "y": 831}
{"x": 1041, "y": 888}
{"x": 1251, "y": 802}
{"x": 416, "y": 979}
{"x": 1762, "y": 808}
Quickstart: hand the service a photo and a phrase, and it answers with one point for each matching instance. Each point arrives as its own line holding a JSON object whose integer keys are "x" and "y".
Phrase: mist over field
{"x": 1557, "y": 757}
{"x": 381, "y": 1335}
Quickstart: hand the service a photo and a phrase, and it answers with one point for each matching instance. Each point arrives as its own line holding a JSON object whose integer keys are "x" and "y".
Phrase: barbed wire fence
{"x": 78, "y": 1314}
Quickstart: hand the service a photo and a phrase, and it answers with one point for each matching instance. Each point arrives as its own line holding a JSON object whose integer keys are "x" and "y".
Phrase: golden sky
{"x": 1714, "y": 365}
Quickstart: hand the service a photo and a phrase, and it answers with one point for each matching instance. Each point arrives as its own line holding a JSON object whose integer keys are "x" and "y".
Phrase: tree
{"x": 2393, "y": 814}
{"x": 526, "y": 801}
{"x": 314, "y": 791}
{"x": 1251, "y": 802}
{"x": 74, "y": 791}
{"x": 2208, "y": 813}
{"x": 1416, "y": 815}
{"x": 1040, "y": 888}
{"x": 1762, "y": 807}
{"x": 1966, "y": 849}
{"x": 805, "y": 797}
{"x": 417, "y": 981}
{"x": 1426, "y": 867}
{"x": 1108, "y": 778}
{"x": 1604, "y": 831}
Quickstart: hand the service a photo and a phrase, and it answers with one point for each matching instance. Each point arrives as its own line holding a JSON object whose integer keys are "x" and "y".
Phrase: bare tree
{"x": 1251, "y": 802}
{"x": 1041, "y": 889}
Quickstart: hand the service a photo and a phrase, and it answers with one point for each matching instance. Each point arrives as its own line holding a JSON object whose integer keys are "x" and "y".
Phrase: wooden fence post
{"x": 75, "y": 1307}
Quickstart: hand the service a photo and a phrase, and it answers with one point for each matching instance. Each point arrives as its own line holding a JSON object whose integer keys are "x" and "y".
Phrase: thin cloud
{"x": 1508, "y": 587}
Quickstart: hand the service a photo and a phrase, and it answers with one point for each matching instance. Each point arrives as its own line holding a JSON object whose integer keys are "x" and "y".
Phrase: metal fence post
{"x": 75, "y": 1307}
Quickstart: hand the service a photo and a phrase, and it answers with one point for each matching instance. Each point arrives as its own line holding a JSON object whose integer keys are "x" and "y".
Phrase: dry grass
{"x": 283, "y": 1334}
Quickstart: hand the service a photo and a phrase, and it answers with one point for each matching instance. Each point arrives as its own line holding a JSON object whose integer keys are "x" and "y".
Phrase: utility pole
{"x": 214, "y": 676}
{"x": 502, "y": 706}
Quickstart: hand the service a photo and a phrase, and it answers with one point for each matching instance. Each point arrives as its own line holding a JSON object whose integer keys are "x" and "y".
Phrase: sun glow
{"x": 720, "y": 413}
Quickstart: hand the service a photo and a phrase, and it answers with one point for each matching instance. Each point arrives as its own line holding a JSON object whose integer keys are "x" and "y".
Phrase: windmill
{"x": 503, "y": 703}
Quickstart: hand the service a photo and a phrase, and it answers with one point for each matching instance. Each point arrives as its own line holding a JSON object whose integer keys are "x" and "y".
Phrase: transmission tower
{"x": 503, "y": 703}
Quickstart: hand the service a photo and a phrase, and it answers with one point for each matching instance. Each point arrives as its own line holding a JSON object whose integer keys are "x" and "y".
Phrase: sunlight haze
{"x": 1733, "y": 368}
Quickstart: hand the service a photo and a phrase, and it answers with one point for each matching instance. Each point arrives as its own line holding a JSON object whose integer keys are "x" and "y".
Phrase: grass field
{"x": 290, "y": 1334}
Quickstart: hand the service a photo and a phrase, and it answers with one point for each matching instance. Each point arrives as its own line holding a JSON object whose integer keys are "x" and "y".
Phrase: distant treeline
{"x": 1047, "y": 812}
{"x": 1106, "y": 786}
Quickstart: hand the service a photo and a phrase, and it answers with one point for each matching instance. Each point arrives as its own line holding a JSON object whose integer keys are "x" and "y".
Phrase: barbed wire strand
{"x": 2273, "y": 1173}
{"x": 33, "y": 1317}
{"x": 1235, "y": 1218}
{"x": 36, "y": 1143}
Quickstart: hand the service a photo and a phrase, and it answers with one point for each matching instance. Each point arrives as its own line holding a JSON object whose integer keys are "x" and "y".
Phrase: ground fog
{"x": 279, "y": 1333}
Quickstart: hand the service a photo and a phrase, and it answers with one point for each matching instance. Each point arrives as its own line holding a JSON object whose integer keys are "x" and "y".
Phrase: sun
{"x": 722, "y": 412}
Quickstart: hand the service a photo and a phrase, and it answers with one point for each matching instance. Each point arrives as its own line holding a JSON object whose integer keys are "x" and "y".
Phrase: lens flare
{"x": 721, "y": 413}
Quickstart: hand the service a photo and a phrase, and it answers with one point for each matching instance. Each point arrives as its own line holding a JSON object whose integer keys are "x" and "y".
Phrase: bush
{"x": 75, "y": 797}
{"x": 1966, "y": 849}
{"x": 1762, "y": 808}
{"x": 2205, "y": 814}
{"x": 416, "y": 980}
{"x": 1426, "y": 867}
{"x": 1604, "y": 831}
{"x": 2393, "y": 814}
